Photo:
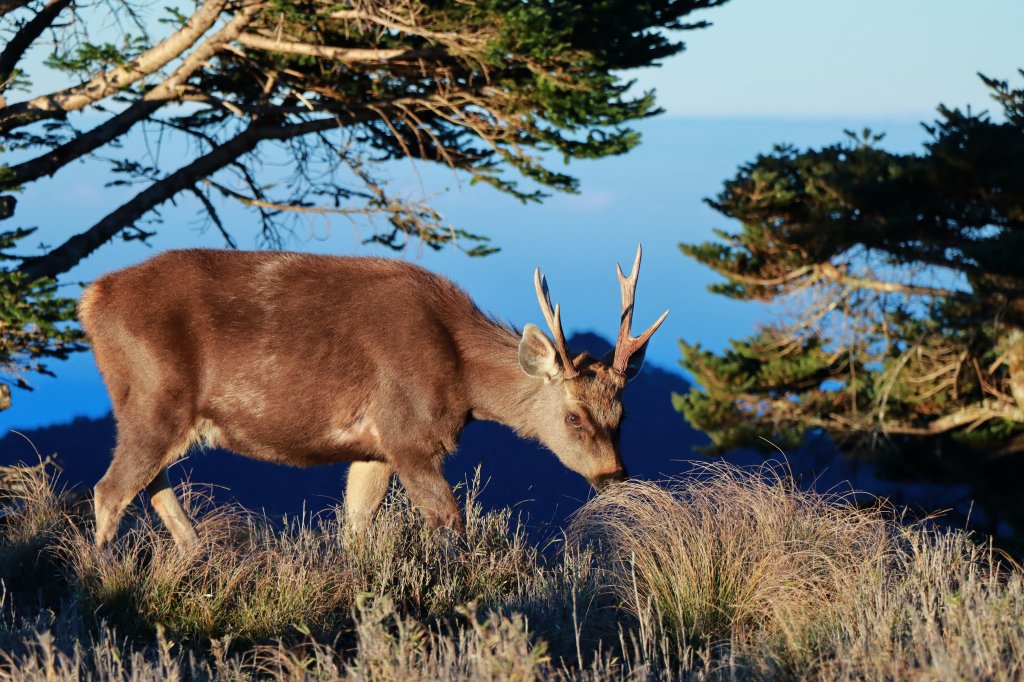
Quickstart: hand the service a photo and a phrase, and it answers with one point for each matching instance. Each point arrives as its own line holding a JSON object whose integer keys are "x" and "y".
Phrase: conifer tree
{"x": 903, "y": 275}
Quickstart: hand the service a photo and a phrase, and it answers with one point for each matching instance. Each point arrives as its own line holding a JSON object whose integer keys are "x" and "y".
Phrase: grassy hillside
{"x": 730, "y": 574}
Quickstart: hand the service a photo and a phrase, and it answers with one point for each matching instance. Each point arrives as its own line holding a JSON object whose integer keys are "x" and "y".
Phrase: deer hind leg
{"x": 123, "y": 481}
{"x": 164, "y": 501}
{"x": 430, "y": 492}
{"x": 139, "y": 461}
{"x": 365, "y": 490}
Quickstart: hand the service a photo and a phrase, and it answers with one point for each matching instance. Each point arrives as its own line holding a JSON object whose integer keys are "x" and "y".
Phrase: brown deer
{"x": 306, "y": 360}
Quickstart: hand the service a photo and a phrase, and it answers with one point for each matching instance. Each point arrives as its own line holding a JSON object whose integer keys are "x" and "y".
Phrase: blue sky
{"x": 795, "y": 71}
{"x": 871, "y": 59}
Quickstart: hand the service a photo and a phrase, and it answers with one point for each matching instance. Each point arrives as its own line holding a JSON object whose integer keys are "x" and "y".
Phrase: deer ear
{"x": 537, "y": 354}
{"x": 635, "y": 364}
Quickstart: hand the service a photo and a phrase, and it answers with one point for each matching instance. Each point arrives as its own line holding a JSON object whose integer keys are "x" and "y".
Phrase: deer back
{"x": 289, "y": 357}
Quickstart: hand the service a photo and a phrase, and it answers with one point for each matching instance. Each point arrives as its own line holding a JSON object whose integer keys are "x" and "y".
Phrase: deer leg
{"x": 365, "y": 490}
{"x": 164, "y": 501}
{"x": 432, "y": 495}
{"x": 139, "y": 459}
{"x": 123, "y": 481}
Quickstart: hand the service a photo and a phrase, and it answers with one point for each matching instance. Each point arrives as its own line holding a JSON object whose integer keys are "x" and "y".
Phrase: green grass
{"x": 732, "y": 574}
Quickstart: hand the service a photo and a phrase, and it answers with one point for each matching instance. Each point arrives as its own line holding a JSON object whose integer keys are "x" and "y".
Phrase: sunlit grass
{"x": 730, "y": 554}
{"x": 726, "y": 574}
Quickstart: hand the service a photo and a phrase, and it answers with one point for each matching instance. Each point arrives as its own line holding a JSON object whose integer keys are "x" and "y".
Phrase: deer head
{"x": 578, "y": 412}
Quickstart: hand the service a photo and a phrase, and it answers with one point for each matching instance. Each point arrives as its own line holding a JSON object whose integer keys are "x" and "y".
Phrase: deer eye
{"x": 573, "y": 419}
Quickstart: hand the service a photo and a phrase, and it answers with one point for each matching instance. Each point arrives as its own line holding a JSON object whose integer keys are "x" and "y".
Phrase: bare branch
{"x": 984, "y": 411}
{"x": 340, "y": 54}
{"x": 53, "y": 160}
{"x": 1014, "y": 353}
{"x": 276, "y": 206}
{"x": 214, "y": 216}
{"x": 71, "y": 252}
{"x": 781, "y": 280}
{"x": 8, "y": 6}
{"x": 829, "y": 272}
{"x": 786, "y": 410}
{"x": 406, "y": 21}
{"x": 838, "y": 275}
{"x": 390, "y": 20}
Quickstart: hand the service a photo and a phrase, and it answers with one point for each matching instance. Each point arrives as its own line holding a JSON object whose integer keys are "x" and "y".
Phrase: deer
{"x": 308, "y": 360}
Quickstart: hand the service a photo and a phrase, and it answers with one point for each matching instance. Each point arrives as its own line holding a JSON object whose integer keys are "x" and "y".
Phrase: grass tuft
{"x": 727, "y": 554}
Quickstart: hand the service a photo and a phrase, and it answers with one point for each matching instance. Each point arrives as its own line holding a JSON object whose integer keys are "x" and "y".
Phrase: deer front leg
{"x": 367, "y": 485}
{"x": 164, "y": 501}
{"x": 430, "y": 492}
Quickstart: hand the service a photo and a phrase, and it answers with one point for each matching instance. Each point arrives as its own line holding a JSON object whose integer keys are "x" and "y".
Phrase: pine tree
{"x": 34, "y": 321}
{"x": 904, "y": 278}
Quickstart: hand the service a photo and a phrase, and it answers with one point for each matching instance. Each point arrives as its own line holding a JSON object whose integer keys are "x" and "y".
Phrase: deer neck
{"x": 499, "y": 389}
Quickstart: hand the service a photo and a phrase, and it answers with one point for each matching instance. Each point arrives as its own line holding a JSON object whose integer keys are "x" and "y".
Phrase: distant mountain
{"x": 656, "y": 443}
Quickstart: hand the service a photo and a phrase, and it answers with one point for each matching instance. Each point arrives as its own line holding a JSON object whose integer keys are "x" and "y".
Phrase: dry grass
{"x": 245, "y": 579}
{"x": 773, "y": 581}
{"x": 728, "y": 554}
{"x": 728, "y": 574}
{"x": 391, "y": 646}
{"x": 945, "y": 609}
{"x": 31, "y": 506}
{"x": 428, "y": 573}
{"x": 250, "y": 580}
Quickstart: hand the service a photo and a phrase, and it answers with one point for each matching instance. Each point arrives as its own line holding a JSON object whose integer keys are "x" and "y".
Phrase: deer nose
{"x": 602, "y": 480}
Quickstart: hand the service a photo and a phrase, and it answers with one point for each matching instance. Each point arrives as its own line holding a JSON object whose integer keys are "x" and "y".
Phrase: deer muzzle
{"x": 601, "y": 481}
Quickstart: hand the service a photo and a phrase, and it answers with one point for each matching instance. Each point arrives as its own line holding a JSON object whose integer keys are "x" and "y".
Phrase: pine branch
{"x": 167, "y": 91}
{"x": 27, "y": 35}
{"x": 58, "y": 104}
{"x": 74, "y": 250}
{"x": 791, "y": 276}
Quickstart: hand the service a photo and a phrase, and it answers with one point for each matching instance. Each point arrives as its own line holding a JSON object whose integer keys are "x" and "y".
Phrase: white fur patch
{"x": 360, "y": 433}
{"x": 206, "y": 434}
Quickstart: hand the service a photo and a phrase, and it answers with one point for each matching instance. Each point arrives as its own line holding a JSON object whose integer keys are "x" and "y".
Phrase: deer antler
{"x": 626, "y": 345}
{"x": 554, "y": 320}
